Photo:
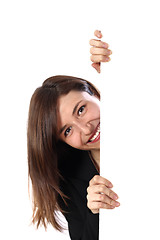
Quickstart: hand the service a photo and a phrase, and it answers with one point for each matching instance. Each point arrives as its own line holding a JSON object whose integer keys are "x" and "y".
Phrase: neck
{"x": 96, "y": 156}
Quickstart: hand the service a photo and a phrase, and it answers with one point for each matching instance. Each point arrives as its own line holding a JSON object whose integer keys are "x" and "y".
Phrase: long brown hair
{"x": 43, "y": 142}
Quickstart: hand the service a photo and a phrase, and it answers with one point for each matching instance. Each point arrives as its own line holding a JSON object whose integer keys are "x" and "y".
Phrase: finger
{"x": 97, "y": 66}
{"x": 95, "y": 211}
{"x": 102, "y": 189}
{"x": 98, "y": 43}
{"x": 100, "y": 180}
{"x": 102, "y": 198}
{"x": 95, "y": 206}
{"x": 100, "y": 51}
{"x": 98, "y": 34}
{"x": 99, "y": 58}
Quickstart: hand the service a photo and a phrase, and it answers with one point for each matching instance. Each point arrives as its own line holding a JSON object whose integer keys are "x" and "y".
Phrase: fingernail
{"x": 105, "y": 45}
{"x": 107, "y": 59}
{"x": 110, "y": 185}
{"x": 99, "y": 34}
{"x": 115, "y": 197}
{"x": 117, "y": 204}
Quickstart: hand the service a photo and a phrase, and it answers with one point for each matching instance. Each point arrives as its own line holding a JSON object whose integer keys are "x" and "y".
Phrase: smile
{"x": 96, "y": 136}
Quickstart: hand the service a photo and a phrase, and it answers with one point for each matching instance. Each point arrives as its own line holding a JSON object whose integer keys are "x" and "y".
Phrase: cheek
{"x": 74, "y": 140}
{"x": 94, "y": 111}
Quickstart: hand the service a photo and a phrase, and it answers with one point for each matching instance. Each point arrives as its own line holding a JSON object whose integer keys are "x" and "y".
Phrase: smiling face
{"x": 79, "y": 120}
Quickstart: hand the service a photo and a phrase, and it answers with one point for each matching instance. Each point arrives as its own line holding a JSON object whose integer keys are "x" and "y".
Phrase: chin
{"x": 95, "y": 147}
{"x": 89, "y": 146}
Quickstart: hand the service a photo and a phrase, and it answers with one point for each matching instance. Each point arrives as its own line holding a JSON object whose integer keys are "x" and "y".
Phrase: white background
{"x": 44, "y": 38}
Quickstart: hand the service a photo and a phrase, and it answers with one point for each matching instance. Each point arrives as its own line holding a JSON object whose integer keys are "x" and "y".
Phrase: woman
{"x": 64, "y": 152}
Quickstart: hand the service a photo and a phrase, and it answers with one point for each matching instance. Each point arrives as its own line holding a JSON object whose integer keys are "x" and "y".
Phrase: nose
{"x": 85, "y": 128}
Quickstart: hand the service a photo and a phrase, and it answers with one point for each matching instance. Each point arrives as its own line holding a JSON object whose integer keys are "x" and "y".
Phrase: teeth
{"x": 96, "y": 134}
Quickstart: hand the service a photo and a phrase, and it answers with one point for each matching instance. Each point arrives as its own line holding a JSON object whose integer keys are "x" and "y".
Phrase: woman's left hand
{"x": 99, "y": 50}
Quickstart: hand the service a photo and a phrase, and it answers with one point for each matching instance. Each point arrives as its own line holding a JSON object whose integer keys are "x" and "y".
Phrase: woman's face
{"x": 79, "y": 120}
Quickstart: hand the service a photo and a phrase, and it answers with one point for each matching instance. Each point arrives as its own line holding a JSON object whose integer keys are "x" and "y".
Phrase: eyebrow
{"x": 62, "y": 129}
{"x": 74, "y": 110}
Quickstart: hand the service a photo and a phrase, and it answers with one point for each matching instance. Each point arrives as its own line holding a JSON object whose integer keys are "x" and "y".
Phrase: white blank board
{"x": 130, "y": 142}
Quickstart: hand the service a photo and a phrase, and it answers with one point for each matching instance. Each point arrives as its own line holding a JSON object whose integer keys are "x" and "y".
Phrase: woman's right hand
{"x": 100, "y": 195}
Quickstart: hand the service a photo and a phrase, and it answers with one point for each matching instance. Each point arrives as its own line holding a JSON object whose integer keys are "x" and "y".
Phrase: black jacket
{"x": 78, "y": 169}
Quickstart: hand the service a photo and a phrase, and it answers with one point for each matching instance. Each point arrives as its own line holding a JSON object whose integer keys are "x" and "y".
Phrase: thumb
{"x": 98, "y": 33}
{"x": 97, "y": 66}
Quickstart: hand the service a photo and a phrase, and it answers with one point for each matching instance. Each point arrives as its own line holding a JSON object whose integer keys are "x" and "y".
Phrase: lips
{"x": 95, "y": 136}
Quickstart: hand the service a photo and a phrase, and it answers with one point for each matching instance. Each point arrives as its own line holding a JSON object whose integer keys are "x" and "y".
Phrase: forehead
{"x": 69, "y": 100}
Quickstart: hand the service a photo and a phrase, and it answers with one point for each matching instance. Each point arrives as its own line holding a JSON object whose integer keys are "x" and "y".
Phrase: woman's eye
{"x": 81, "y": 109}
{"x": 67, "y": 131}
